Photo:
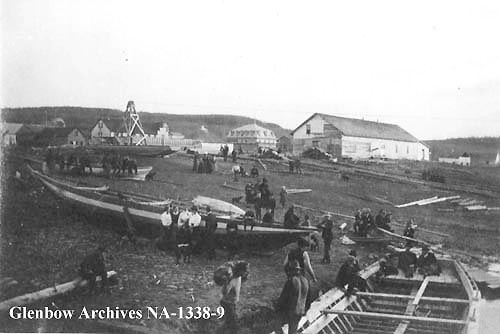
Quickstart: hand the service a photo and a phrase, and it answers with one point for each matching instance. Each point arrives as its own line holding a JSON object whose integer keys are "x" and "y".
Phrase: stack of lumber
{"x": 427, "y": 201}
{"x": 470, "y": 204}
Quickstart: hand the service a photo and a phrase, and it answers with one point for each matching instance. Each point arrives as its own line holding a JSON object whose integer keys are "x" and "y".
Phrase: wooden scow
{"x": 394, "y": 304}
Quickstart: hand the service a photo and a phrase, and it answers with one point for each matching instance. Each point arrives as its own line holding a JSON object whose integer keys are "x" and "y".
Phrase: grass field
{"x": 43, "y": 239}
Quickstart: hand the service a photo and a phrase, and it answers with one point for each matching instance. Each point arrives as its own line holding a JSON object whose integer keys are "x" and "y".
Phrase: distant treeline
{"x": 189, "y": 125}
{"x": 481, "y": 149}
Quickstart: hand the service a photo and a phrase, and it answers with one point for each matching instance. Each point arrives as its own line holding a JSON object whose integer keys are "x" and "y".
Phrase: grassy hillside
{"x": 481, "y": 149}
{"x": 190, "y": 125}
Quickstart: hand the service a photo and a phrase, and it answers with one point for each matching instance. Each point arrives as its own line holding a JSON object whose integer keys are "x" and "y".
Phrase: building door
{"x": 335, "y": 150}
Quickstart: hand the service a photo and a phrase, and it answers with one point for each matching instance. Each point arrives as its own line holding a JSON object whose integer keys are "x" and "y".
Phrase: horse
{"x": 115, "y": 165}
{"x": 132, "y": 167}
{"x": 295, "y": 166}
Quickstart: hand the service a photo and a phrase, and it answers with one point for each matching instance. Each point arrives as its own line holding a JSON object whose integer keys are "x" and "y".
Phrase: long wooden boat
{"x": 145, "y": 211}
{"x": 447, "y": 303}
{"x": 142, "y": 172}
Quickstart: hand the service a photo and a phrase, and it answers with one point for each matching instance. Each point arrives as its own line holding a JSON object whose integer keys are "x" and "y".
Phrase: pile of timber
{"x": 470, "y": 204}
{"x": 427, "y": 201}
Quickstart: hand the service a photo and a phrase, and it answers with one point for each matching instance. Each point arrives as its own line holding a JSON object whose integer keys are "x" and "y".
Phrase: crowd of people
{"x": 204, "y": 164}
{"x": 184, "y": 233}
{"x": 364, "y": 222}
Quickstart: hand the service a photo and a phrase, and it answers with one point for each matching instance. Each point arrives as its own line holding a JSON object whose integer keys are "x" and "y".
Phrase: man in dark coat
{"x": 293, "y": 299}
{"x": 211, "y": 227}
{"x": 407, "y": 261}
{"x": 249, "y": 220}
{"x": 409, "y": 232}
{"x": 326, "y": 227}
{"x": 93, "y": 266}
{"x": 291, "y": 220}
{"x": 349, "y": 275}
{"x": 427, "y": 263}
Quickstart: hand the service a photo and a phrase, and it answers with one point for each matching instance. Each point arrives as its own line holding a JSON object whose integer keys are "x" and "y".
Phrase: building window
{"x": 396, "y": 148}
{"x": 315, "y": 143}
{"x": 308, "y": 129}
{"x": 408, "y": 149}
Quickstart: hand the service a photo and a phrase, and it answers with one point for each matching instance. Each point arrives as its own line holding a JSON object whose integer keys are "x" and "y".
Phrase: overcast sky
{"x": 433, "y": 67}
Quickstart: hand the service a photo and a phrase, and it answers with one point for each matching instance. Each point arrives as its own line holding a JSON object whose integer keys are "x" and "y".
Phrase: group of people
{"x": 426, "y": 264}
{"x": 183, "y": 233}
{"x": 364, "y": 222}
{"x": 67, "y": 162}
{"x": 204, "y": 164}
{"x": 239, "y": 170}
{"x": 114, "y": 165}
{"x": 224, "y": 150}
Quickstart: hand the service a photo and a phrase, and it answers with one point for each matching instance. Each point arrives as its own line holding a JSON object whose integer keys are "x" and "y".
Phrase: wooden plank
{"x": 415, "y": 202}
{"x": 420, "y": 292}
{"x": 412, "y": 306}
{"x": 390, "y": 295}
{"x": 46, "y": 293}
{"x": 396, "y": 317}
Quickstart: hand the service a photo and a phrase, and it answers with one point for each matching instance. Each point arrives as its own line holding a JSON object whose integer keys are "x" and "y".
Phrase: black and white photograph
{"x": 250, "y": 167}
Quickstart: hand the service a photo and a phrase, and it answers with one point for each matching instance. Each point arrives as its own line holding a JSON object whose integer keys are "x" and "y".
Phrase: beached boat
{"x": 145, "y": 211}
{"x": 447, "y": 303}
{"x": 142, "y": 172}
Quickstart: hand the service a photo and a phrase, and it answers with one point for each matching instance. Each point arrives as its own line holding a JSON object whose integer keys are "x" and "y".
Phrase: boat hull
{"x": 447, "y": 303}
{"x": 146, "y": 216}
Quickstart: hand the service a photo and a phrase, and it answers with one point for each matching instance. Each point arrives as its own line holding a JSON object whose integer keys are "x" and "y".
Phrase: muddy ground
{"x": 43, "y": 241}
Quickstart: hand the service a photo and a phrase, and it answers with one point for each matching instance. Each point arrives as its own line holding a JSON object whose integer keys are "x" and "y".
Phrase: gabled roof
{"x": 251, "y": 130}
{"x": 56, "y": 132}
{"x": 14, "y": 128}
{"x": 113, "y": 124}
{"x": 368, "y": 129}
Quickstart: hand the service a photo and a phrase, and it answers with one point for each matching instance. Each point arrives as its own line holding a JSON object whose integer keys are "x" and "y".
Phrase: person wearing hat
{"x": 300, "y": 255}
{"x": 265, "y": 192}
{"x": 195, "y": 218}
{"x": 379, "y": 218}
{"x": 291, "y": 220}
{"x": 166, "y": 222}
{"x": 357, "y": 222}
{"x": 326, "y": 227}
{"x": 293, "y": 299}
{"x": 407, "y": 262}
{"x": 93, "y": 266}
{"x": 409, "y": 232}
{"x": 210, "y": 227}
{"x": 348, "y": 275}
{"x": 283, "y": 196}
{"x": 427, "y": 263}
{"x": 385, "y": 269}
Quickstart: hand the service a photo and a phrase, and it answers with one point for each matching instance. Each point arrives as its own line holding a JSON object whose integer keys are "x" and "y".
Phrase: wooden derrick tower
{"x": 132, "y": 124}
